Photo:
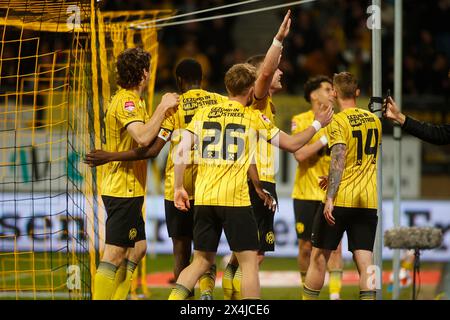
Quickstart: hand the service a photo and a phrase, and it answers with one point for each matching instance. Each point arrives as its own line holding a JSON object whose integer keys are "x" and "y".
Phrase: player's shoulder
{"x": 261, "y": 103}
{"x": 257, "y": 117}
{"x": 121, "y": 99}
{"x": 126, "y": 94}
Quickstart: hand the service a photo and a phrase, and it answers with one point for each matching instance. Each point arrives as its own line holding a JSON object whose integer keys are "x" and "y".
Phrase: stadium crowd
{"x": 327, "y": 37}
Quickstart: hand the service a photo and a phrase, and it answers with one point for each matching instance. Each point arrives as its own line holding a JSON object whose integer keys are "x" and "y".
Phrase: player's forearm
{"x": 178, "y": 175}
{"x": 336, "y": 169}
{"x": 309, "y": 150}
{"x": 182, "y": 157}
{"x": 254, "y": 177}
{"x": 150, "y": 130}
{"x": 268, "y": 68}
{"x": 300, "y": 139}
{"x": 141, "y": 153}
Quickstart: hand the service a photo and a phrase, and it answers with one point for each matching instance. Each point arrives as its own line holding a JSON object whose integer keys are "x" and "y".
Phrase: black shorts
{"x": 238, "y": 223}
{"x": 179, "y": 223}
{"x": 305, "y": 211}
{"x": 125, "y": 224}
{"x": 359, "y": 223}
{"x": 264, "y": 216}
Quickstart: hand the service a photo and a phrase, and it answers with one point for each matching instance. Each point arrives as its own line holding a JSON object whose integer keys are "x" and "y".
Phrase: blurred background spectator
{"x": 326, "y": 37}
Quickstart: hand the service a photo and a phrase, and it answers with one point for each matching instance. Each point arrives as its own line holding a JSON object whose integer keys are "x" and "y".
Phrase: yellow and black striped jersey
{"x": 306, "y": 185}
{"x": 360, "y": 131}
{"x": 190, "y": 102}
{"x": 227, "y": 135}
{"x": 123, "y": 178}
{"x": 265, "y": 152}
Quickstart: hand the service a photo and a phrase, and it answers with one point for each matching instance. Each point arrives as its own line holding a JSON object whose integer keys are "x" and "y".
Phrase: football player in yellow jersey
{"x": 123, "y": 186}
{"x": 188, "y": 74}
{"x": 226, "y": 137}
{"x": 267, "y": 83}
{"x": 313, "y": 162}
{"x": 350, "y": 204}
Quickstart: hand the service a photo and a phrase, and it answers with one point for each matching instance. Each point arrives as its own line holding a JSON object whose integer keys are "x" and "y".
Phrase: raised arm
{"x": 272, "y": 59}
{"x": 99, "y": 157}
{"x": 144, "y": 134}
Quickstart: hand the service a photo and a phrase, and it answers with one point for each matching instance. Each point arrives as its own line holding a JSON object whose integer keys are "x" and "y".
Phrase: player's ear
{"x": 313, "y": 95}
{"x": 357, "y": 93}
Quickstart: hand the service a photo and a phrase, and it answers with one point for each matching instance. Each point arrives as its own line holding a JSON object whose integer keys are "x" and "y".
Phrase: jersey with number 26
{"x": 227, "y": 137}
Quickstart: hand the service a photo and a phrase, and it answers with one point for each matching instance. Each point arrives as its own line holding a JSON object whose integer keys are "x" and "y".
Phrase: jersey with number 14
{"x": 190, "y": 102}
{"x": 227, "y": 136}
{"x": 360, "y": 131}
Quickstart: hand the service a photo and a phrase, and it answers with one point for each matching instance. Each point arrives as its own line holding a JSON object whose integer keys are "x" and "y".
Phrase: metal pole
{"x": 397, "y": 138}
{"x": 376, "y": 92}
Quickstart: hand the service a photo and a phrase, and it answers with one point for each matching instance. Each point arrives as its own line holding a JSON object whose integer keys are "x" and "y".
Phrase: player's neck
{"x": 346, "y": 104}
{"x": 190, "y": 86}
{"x": 315, "y": 107}
{"x": 138, "y": 90}
{"x": 241, "y": 99}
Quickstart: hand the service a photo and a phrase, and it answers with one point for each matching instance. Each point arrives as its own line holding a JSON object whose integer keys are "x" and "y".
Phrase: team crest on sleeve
{"x": 129, "y": 106}
{"x": 263, "y": 116}
{"x": 293, "y": 125}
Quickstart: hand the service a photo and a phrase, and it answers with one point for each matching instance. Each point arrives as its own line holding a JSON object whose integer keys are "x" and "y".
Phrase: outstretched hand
{"x": 169, "y": 103}
{"x": 269, "y": 200}
{"x": 391, "y": 111}
{"x": 323, "y": 182}
{"x": 283, "y": 31}
{"x": 328, "y": 212}
{"x": 324, "y": 115}
{"x": 96, "y": 158}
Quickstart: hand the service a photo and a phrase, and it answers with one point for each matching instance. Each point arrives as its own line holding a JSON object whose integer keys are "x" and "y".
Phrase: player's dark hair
{"x": 314, "y": 83}
{"x": 130, "y": 67}
{"x": 189, "y": 70}
{"x": 256, "y": 60}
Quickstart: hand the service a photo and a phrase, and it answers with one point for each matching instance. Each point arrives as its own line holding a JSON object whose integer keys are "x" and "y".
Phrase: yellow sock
{"x": 180, "y": 292}
{"x": 104, "y": 281}
{"x": 335, "y": 284}
{"x": 367, "y": 294}
{"x": 302, "y": 281}
{"x": 302, "y": 277}
{"x": 120, "y": 275}
{"x": 227, "y": 281}
{"x": 237, "y": 285}
{"x": 310, "y": 294}
{"x": 208, "y": 281}
{"x": 124, "y": 287}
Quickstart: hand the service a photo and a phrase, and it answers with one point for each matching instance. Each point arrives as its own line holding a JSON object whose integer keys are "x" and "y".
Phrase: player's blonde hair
{"x": 345, "y": 85}
{"x": 239, "y": 79}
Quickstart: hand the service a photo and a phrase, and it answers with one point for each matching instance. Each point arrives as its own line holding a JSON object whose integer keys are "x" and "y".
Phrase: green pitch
{"x": 44, "y": 271}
